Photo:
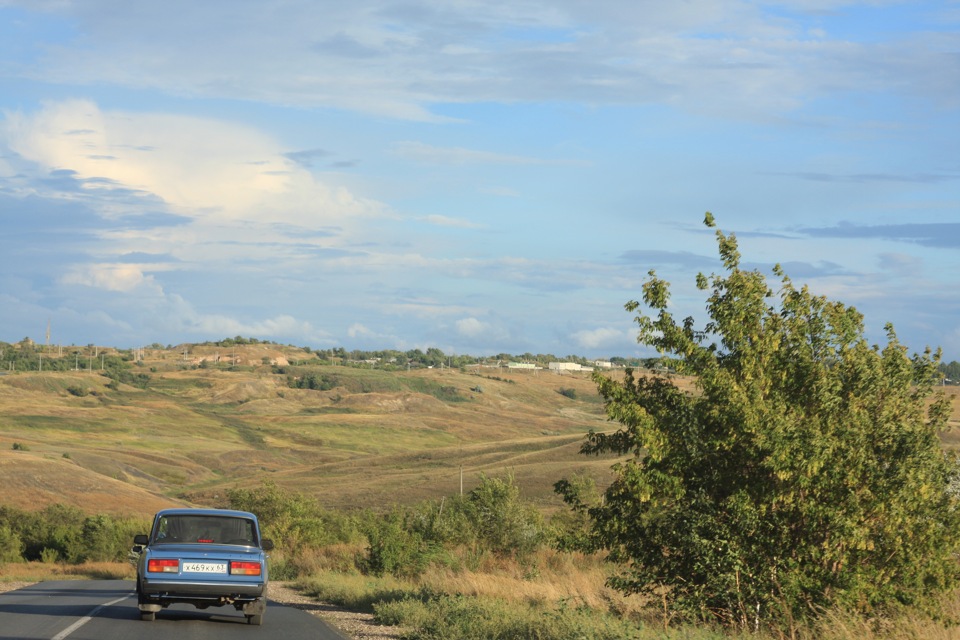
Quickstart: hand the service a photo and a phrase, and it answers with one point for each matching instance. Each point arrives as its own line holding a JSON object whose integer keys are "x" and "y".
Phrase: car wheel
{"x": 148, "y": 616}
{"x": 256, "y": 619}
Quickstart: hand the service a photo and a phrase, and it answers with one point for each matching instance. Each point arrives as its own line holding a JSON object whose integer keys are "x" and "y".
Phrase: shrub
{"x": 66, "y": 534}
{"x": 501, "y": 521}
{"x": 11, "y": 546}
{"x": 49, "y": 556}
{"x": 295, "y": 522}
{"x": 395, "y": 548}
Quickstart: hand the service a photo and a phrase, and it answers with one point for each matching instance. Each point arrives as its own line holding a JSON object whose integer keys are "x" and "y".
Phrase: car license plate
{"x": 204, "y": 567}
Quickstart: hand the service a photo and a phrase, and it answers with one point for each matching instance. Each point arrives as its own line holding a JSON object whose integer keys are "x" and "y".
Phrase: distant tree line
{"x": 27, "y": 355}
{"x": 119, "y": 366}
{"x": 951, "y": 371}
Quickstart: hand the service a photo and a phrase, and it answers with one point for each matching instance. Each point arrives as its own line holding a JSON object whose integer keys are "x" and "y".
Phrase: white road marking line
{"x": 85, "y": 619}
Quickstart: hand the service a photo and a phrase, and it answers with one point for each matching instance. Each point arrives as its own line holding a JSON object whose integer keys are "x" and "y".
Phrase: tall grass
{"x": 555, "y": 595}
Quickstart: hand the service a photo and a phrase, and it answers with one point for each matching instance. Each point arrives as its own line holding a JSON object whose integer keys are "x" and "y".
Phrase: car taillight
{"x": 160, "y": 565}
{"x": 245, "y": 568}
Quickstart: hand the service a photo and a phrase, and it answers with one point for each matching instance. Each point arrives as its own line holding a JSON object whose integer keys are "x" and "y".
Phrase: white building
{"x": 565, "y": 366}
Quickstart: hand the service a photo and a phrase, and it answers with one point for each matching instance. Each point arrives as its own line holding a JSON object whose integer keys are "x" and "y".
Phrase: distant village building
{"x": 521, "y": 365}
{"x": 603, "y": 364}
{"x": 565, "y": 366}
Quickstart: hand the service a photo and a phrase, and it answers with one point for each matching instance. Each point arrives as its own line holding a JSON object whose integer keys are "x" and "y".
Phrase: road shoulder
{"x": 359, "y": 626}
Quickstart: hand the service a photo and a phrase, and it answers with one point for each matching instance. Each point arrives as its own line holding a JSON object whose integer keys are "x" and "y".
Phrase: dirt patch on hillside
{"x": 246, "y": 391}
{"x": 392, "y": 403}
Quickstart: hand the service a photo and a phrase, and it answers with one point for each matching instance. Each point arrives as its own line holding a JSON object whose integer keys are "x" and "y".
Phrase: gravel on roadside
{"x": 10, "y": 586}
{"x": 358, "y": 626}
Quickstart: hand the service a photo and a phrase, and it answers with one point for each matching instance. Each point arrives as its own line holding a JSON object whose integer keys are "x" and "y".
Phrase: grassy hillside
{"x": 371, "y": 438}
{"x": 218, "y": 418}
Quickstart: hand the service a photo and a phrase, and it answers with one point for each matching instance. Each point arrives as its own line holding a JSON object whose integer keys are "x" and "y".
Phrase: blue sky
{"x": 480, "y": 177}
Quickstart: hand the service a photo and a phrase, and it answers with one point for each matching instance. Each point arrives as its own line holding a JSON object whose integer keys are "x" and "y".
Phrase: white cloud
{"x": 399, "y": 60}
{"x": 603, "y": 337}
{"x": 236, "y": 196}
{"x": 901, "y": 264}
{"x": 477, "y": 331}
{"x": 277, "y": 326}
{"x": 357, "y": 330}
{"x": 111, "y": 277}
{"x": 427, "y": 308}
{"x": 471, "y": 327}
{"x": 212, "y": 171}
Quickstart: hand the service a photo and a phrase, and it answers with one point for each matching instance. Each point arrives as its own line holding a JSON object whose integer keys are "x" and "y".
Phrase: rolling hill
{"x": 217, "y": 419}
{"x": 370, "y": 438}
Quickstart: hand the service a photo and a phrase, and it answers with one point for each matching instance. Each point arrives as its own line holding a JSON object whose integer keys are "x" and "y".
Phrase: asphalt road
{"x": 107, "y": 610}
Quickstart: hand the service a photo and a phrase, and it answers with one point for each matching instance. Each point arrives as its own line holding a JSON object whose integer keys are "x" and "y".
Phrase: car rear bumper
{"x": 175, "y": 590}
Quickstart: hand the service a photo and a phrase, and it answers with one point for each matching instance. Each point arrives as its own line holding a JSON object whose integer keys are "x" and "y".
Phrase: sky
{"x": 481, "y": 177}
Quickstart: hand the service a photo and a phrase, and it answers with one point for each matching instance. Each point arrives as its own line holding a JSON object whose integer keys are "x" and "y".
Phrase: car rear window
{"x": 204, "y": 529}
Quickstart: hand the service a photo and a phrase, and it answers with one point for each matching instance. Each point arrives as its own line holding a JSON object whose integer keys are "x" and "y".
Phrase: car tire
{"x": 148, "y": 616}
{"x": 256, "y": 619}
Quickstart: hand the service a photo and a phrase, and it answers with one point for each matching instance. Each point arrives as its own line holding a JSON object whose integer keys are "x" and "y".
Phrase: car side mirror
{"x": 266, "y": 544}
{"x": 140, "y": 539}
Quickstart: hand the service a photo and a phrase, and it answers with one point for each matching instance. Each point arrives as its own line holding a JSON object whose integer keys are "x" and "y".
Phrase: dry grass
{"x": 909, "y": 626}
{"x": 41, "y": 571}
{"x": 33, "y": 480}
{"x": 548, "y": 578}
{"x": 552, "y": 581}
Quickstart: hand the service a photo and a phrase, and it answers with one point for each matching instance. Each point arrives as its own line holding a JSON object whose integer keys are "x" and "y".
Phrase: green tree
{"x": 804, "y": 472}
{"x": 951, "y": 371}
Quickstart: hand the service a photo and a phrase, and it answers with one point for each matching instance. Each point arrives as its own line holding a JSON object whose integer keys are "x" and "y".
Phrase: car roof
{"x": 230, "y": 513}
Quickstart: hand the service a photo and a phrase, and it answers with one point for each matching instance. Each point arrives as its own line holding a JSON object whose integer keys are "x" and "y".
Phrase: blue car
{"x": 203, "y": 557}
